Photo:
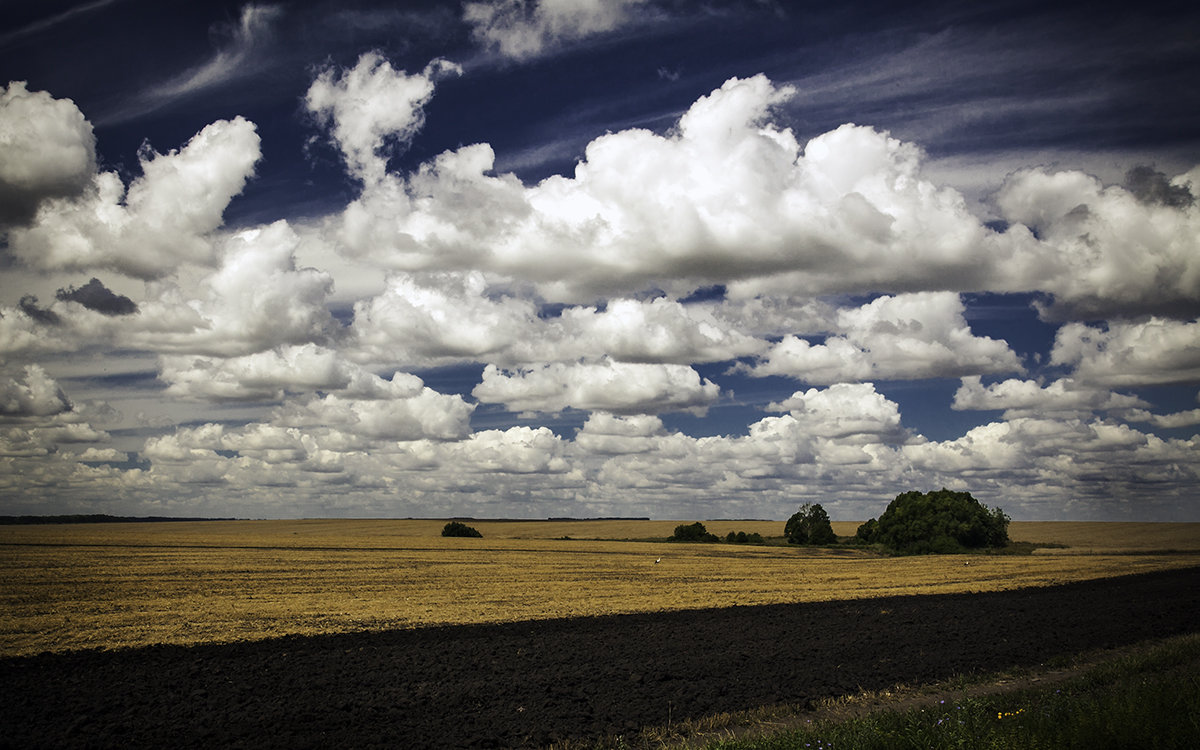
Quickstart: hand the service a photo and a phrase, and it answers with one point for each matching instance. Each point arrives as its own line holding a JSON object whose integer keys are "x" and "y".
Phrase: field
{"x": 624, "y": 681}
{"x": 126, "y": 585}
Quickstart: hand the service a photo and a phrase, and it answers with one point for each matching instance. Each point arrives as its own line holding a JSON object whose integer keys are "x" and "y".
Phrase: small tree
{"x": 454, "y": 528}
{"x": 809, "y": 525}
{"x": 693, "y": 532}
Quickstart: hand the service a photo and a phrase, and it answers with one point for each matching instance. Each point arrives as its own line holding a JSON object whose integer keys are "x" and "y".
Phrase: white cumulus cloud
{"x": 430, "y": 319}
{"x": 1107, "y": 252}
{"x": 255, "y": 300}
{"x": 1128, "y": 353}
{"x": 30, "y": 393}
{"x": 617, "y": 387}
{"x": 905, "y": 337}
{"x": 610, "y": 434}
{"x": 658, "y": 331}
{"x": 399, "y": 410}
{"x": 851, "y": 412}
{"x": 1175, "y": 420}
{"x": 47, "y": 150}
{"x": 164, "y": 220}
{"x": 371, "y": 106}
{"x": 1026, "y": 398}
{"x": 437, "y": 318}
{"x": 259, "y": 376}
{"x": 728, "y": 196}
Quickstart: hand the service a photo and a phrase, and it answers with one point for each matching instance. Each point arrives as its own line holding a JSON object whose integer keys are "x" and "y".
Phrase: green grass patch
{"x": 1145, "y": 700}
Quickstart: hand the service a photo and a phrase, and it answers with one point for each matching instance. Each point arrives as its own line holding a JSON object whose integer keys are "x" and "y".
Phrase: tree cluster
{"x": 936, "y": 522}
{"x": 692, "y": 532}
{"x": 809, "y": 525}
{"x": 454, "y": 528}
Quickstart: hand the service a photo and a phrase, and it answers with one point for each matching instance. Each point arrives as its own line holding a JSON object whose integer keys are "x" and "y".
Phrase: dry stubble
{"x": 123, "y": 585}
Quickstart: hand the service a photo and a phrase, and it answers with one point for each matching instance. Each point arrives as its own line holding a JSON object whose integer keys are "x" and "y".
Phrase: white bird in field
{"x": 656, "y": 562}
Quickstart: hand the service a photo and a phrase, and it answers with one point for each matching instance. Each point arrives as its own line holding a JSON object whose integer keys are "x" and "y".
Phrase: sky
{"x": 573, "y": 258}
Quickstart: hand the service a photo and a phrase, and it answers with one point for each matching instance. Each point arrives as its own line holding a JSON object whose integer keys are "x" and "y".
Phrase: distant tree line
{"x": 696, "y": 532}
{"x": 914, "y": 523}
{"x": 540, "y": 520}
{"x": 591, "y": 518}
{"x": 97, "y": 518}
{"x": 741, "y": 537}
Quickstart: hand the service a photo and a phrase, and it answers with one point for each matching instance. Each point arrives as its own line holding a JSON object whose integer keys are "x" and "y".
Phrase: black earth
{"x": 533, "y": 683}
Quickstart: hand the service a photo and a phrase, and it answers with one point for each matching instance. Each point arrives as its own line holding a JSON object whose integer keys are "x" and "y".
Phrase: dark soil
{"x": 532, "y": 683}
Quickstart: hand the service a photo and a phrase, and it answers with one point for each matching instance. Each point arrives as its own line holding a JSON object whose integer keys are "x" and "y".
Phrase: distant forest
{"x": 97, "y": 518}
{"x": 105, "y": 518}
{"x": 537, "y": 520}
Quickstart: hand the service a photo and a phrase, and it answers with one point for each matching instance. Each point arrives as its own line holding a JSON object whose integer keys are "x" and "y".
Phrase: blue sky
{"x": 580, "y": 258}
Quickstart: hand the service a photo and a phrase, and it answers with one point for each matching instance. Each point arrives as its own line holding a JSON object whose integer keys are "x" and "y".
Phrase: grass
{"x": 1148, "y": 700}
{"x": 124, "y": 585}
{"x": 1145, "y": 697}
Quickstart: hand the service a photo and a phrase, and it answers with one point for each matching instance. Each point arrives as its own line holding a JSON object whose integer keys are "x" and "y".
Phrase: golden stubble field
{"x": 123, "y": 585}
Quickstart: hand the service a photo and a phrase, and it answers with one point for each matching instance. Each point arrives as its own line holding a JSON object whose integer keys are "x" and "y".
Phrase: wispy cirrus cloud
{"x": 241, "y": 53}
{"x": 46, "y": 24}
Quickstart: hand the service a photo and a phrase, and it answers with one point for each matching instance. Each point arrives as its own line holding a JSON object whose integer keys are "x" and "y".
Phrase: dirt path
{"x": 532, "y": 683}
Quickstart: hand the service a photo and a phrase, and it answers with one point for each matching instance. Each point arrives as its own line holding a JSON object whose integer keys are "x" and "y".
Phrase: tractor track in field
{"x": 537, "y": 682}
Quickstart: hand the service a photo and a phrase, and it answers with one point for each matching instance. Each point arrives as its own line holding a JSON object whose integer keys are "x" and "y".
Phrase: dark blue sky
{"x": 781, "y": 251}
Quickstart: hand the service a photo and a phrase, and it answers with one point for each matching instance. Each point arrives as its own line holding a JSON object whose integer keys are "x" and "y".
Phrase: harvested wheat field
{"x": 297, "y": 634}
{"x": 125, "y": 585}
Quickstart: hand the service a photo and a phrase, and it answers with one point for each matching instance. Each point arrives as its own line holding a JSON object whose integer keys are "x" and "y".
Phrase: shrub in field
{"x": 867, "y": 531}
{"x": 936, "y": 522}
{"x": 692, "y": 532}
{"x": 454, "y": 528}
{"x": 741, "y": 537}
{"x": 809, "y": 525}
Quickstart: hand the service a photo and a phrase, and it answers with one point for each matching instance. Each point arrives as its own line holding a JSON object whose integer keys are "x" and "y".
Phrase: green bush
{"x": 809, "y": 525}
{"x": 936, "y": 522}
{"x": 454, "y": 528}
{"x": 867, "y": 531}
{"x": 693, "y": 532}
